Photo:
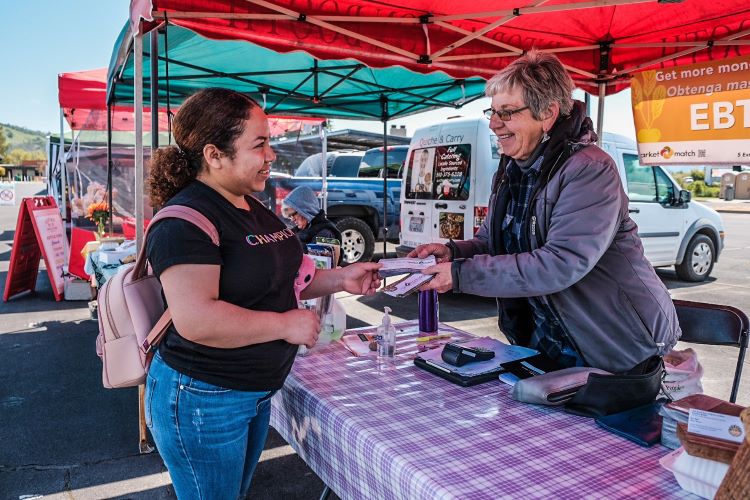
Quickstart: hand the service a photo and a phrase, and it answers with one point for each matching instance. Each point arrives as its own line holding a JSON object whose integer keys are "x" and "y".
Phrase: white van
{"x": 448, "y": 175}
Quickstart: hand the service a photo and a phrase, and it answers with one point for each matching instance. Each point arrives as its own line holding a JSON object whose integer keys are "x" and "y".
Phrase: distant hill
{"x": 23, "y": 138}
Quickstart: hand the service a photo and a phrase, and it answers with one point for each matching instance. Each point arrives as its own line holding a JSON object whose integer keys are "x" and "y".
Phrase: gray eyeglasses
{"x": 505, "y": 115}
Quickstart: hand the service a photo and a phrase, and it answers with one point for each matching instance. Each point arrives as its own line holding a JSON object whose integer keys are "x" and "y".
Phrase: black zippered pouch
{"x": 608, "y": 394}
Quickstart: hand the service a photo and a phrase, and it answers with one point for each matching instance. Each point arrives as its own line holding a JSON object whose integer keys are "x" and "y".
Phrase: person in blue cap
{"x": 302, "y": 207}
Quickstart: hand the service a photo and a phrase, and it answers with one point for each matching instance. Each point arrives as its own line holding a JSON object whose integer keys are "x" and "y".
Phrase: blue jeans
{"x": 209, "y": 437}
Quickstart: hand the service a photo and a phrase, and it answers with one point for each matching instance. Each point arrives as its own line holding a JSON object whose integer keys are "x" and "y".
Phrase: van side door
{"x": 661, "y": 222}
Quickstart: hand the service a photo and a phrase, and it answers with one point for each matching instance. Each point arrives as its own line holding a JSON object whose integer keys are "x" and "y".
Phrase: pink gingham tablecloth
{"x": 392, "y": 430}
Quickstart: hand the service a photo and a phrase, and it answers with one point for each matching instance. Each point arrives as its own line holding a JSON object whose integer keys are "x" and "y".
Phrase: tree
{"x": 17, "y": 155}
{"x": 3, "y": 144}
{"x": 698, "y": 175}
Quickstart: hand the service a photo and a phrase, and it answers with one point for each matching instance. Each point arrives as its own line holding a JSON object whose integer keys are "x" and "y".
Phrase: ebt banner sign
{"x": 693, "y": 114}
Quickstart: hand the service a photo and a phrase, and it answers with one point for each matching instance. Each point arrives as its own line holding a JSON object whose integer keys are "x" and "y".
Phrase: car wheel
{"x": 357, "y": 240}
{"x": 699, "y": 259}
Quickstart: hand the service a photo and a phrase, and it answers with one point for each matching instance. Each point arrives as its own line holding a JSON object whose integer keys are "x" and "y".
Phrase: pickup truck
{"x": 355, "y": 198}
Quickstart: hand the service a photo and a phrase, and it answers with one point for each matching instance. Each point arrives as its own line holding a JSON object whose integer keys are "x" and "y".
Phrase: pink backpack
{"x": 132, "y": 318}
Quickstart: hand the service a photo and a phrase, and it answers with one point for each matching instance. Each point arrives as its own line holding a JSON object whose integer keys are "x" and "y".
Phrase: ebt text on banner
{"x": 698, "y": 113}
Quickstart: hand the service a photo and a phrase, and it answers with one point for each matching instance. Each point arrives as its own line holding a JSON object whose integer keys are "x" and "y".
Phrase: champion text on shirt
{"x": 262, "y": 239}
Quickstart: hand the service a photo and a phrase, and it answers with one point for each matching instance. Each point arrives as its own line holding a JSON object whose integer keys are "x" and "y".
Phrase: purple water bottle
{"x": 428, "y": 311}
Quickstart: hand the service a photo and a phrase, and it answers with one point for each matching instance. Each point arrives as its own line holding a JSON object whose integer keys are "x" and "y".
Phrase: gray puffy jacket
{"x": 586, "y": 263}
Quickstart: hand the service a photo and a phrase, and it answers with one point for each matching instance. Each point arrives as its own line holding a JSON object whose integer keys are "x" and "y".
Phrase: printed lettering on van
{"x": 440, "y": 139}
{"x": 452, "y": 169}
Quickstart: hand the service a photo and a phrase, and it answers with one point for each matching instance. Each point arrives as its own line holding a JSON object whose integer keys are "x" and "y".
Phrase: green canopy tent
{"x": 290, "y": 84}
{"x": 294, "y": 83}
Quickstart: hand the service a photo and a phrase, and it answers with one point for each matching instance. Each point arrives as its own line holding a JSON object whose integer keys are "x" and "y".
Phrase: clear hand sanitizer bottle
{"x": 386, "y": 336}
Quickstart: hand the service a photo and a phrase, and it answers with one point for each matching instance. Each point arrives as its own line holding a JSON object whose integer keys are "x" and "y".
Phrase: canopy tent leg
{"x": 324, "y": 169}
{"x": 385, "y": 183}
{"x": 143, "y": 445}
{"x": 384, "y": 102}
{"x": 154, "y": 97}
{"x": 63, "y": 170}
{"x": 64, "y": 182}
{"x": 138, "y": 88}
{"x": 324, "y": 151}
{"x": 109, "y": 167}
{"x": 600, "y": 114}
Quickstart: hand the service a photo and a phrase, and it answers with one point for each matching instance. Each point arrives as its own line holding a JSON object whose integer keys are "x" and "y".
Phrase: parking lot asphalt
{"x": 64, "y": 436}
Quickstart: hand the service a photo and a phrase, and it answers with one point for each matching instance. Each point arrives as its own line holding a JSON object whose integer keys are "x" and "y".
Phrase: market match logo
{"x": 667, "y": 153}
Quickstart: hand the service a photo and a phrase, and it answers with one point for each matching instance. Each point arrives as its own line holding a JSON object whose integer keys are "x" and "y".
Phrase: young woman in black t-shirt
{"x": 236, "y": 323}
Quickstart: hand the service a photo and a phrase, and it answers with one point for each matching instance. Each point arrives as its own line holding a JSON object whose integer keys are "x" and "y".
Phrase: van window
{"x": 640, "y": 179}
{"x": 372, "y": 162}
{"x": 664, "y": 187}
{"x": 439, "y": 173}
{"x": 647, "y": 183}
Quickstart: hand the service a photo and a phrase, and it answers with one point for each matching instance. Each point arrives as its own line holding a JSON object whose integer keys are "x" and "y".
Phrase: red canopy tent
{"x": 82, "y": 97}
{"x": 601, "y": 42}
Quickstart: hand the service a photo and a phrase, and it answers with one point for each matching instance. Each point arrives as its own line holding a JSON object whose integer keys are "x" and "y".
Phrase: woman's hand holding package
{"x": 301, "y": 326}
{"x": 441, "y": 252}
{"x": 361, "y": 278}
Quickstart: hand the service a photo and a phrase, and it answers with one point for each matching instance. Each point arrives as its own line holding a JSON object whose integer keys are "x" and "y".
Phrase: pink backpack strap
{"x": 190, "y": 215}
{"x": 175, "y": 212}
{"x": 157, "y": 332}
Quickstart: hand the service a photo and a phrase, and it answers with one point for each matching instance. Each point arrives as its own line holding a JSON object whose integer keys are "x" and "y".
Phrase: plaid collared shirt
{"x": 548, "y": 336}
{"x": 521, "y": 184}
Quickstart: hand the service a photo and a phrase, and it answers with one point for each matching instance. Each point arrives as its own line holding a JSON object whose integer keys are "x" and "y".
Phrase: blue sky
{"x": 41, "y": 38}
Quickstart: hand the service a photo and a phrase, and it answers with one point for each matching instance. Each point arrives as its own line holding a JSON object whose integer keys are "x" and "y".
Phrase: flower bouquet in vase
{"x": 98, "y": 213}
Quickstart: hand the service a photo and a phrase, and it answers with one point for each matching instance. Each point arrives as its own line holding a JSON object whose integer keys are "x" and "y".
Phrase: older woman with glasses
{"x": 558, "y": 248}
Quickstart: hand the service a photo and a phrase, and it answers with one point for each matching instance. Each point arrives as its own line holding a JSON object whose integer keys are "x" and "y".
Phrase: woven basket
{"x": 706, "y": 447}
{"x": 736, "y": 484}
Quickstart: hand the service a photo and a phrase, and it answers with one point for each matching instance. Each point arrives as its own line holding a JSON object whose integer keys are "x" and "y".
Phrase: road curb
{"x": 726, "y": 211}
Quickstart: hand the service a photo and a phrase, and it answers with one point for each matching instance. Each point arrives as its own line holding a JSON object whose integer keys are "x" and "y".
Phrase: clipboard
{"x": 475, "y": 373}
{"x": 464, "y": 381}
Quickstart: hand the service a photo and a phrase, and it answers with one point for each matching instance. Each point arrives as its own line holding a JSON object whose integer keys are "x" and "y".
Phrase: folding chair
{"x": 715, "y": 324}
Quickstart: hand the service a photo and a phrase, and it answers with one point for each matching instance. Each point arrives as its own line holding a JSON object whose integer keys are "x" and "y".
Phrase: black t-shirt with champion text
{"x": 259, "y": 258}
